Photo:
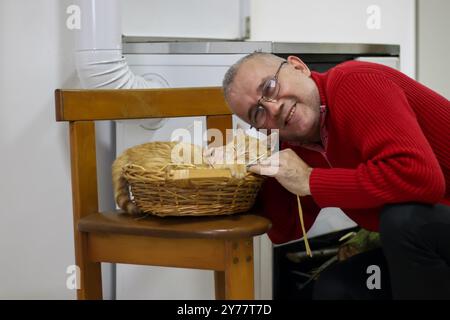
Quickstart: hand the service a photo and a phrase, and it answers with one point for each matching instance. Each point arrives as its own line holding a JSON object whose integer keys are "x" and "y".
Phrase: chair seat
{"x": 241, "y": 225}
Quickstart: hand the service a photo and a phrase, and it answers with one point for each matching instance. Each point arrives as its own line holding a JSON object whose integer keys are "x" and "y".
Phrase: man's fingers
{"x": 263, "y": 170}
{"x": 254, "y": 168}
{"x": 266, "y": 162}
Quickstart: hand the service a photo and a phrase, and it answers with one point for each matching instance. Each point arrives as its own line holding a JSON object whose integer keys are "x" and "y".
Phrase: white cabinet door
{"x": 221, "y": 19}
{"x": 343, "y": 21}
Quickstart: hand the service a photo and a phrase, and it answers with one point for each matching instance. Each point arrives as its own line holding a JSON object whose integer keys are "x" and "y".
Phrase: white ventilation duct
{"x": 99, "y": 59}
{"x": 98, "y": 51}
{"x": 100, "y": 65}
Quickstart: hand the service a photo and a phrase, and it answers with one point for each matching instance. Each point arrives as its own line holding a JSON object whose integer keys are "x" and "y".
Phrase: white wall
{"x": 36, "y": 232}
{"x": 434, "y": 45}
{"x": 36, "y": 222}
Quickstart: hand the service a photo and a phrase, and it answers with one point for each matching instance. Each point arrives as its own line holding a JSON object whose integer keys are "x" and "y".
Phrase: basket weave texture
{"x": 142, "y": 185}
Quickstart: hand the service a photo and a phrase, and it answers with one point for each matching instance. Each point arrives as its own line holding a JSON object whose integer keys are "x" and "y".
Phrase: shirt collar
{"x": 323, "y": 127}
{"x": 319, "y": 79}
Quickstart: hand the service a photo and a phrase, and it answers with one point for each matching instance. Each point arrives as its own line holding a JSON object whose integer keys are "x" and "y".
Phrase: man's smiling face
{"x": 294, "y": 109}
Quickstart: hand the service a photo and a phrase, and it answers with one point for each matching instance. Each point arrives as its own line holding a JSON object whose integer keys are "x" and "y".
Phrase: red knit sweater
{"x": 388, "y": 142}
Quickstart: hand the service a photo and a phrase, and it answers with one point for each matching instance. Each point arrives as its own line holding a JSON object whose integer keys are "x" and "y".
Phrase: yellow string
{"x": 305, "y": 238}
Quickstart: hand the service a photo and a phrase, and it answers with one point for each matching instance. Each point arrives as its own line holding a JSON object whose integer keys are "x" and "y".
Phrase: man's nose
{"x": 273, "y": 108}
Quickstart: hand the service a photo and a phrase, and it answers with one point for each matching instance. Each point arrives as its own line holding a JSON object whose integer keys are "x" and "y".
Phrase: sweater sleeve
{"x": 398, "y": 164}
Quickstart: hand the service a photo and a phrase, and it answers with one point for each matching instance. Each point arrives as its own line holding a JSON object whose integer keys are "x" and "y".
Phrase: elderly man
{"x": 367, "y": 139}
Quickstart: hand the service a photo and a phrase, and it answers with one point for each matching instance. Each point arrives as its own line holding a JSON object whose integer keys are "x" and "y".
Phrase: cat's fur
{"x": 160, "y": 154}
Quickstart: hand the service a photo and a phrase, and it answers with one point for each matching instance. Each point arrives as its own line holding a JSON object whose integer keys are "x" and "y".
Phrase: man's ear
{"x": 299, "y": 65}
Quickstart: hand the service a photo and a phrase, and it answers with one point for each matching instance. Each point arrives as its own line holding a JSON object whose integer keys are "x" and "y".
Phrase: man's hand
{"x": 292, "y": 172}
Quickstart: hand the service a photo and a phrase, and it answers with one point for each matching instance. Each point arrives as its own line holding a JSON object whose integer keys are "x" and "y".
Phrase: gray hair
{"x": 233, "y": 70}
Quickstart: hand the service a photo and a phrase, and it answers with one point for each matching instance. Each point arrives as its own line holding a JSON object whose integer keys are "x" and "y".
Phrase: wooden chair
{"x": 223, "y": 243}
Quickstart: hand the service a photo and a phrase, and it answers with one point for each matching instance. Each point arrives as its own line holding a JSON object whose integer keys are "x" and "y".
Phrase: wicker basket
{"x": 144, "y": 182}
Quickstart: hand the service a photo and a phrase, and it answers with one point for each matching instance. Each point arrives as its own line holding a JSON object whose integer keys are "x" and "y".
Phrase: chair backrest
{"x": 81, "y": 108}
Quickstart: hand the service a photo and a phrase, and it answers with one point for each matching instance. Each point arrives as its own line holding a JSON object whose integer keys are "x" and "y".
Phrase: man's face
{"x": 294, "y": 110}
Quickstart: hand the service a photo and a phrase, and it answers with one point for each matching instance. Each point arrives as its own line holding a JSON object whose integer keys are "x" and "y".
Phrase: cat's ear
{"x": 239, "y": 134}
{"x": 240, "y": 130}
{"x": 239, "y": 126}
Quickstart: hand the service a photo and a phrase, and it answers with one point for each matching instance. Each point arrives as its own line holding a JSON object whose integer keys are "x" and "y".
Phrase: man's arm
{"x": 398, "y": 164}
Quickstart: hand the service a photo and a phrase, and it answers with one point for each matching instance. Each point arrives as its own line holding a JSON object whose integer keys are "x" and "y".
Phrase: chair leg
{"x": 90, "y": 286}
{"x": 239, "y": 272}
{"x": 219, "y": 281}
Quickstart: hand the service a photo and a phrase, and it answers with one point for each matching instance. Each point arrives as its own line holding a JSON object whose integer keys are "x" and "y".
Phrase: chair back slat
{"x": 84, "y": 168}
{"x": 77, "y": 105}
{"x": 221, "y": 123}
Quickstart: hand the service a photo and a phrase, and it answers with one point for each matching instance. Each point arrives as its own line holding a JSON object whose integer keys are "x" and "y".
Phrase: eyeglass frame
{"x": 259, "y": 106}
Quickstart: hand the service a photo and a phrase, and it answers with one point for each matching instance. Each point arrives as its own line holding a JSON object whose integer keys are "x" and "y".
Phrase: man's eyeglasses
{"x": 270, "y": 91}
